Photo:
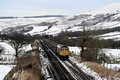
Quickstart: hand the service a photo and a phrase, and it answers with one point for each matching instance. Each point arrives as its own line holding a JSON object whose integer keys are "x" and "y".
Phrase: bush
{"x": 29, "y": 65}
{"x": 41, "y": 77}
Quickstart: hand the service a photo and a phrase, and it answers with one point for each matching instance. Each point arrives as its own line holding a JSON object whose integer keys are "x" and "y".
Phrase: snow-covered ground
{"x": 115, "y": 67}
{"x": 5, "y": 23}
{"x": 105, "y": 9}
{"x": 4, "y": 69}
{"x": 8, "y": 54}
{"x": 37, "y": 30}
{"x": 75, "y": 50}
{"x": 87, "y": 70}
{"x": 27, "y": 47}
{"x": 102, "y": 18}
{"x": 112, "y": 53}
{"x": 112, "y": 35}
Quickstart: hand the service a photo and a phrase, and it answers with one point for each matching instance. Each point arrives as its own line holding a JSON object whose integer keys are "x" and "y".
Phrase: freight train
{"x": 62, "y": 51}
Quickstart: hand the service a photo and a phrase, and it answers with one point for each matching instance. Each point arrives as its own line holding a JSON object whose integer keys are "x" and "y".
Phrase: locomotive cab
{"x": 62, "y": 50}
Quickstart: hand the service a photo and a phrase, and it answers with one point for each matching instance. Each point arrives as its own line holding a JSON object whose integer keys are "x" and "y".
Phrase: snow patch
{"x": 8, "y": 54}
{"x": 4, "y": 69}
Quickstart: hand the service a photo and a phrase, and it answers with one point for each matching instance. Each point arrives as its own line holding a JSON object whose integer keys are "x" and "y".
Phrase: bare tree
{"x": 90, "y": 44}
{"x": 17, "y": 41}
{"x": 83, "y": 40}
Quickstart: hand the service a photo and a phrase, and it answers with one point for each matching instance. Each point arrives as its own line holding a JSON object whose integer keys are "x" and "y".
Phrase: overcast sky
{"x": 43, "y": 7}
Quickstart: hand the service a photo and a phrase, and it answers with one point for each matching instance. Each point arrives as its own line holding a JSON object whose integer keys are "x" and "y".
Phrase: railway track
{"x": 76, "y": 71}
{"x": 63, "y": 70}
{"x": 59, "y": 72}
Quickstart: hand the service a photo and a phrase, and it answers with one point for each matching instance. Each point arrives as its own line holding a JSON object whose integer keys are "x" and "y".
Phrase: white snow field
{"x": 71, "y": 23}
{"x": 7, "y": 56}
{"x": 112, "y": 53}
{"x": 4, "y": 69}
{"x": 5, "y": 23}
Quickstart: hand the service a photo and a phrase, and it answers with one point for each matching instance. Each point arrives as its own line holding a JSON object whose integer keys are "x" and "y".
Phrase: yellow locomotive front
{"x": 62, "y": 50}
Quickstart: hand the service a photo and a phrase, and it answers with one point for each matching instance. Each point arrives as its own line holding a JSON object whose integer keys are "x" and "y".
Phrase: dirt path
{"x": 28, "y": 67}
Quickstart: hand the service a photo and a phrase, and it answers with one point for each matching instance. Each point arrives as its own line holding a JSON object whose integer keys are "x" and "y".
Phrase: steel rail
{"x": 74, "y": 73}
{"x": 59, "y": 72}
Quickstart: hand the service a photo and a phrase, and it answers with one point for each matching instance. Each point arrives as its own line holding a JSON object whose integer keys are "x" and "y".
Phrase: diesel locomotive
{"x": 63, "y": 51}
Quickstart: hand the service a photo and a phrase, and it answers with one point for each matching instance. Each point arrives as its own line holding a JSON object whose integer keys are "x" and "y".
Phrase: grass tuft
{"x": 102, "y": 71}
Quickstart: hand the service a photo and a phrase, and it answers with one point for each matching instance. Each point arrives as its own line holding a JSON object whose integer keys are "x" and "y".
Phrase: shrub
{"x": 29, "y": 65}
